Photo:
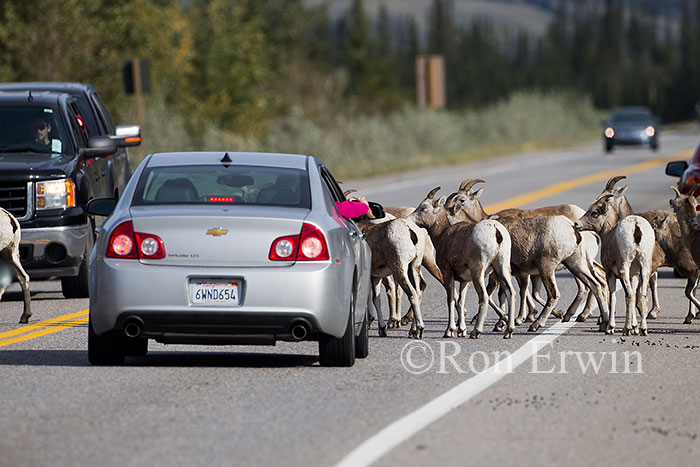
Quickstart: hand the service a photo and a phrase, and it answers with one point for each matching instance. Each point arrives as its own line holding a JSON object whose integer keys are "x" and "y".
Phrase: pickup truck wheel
{"x": 104, "y": 350}
{"x": 335, "y": 351}
{"x": 78, "y": 286}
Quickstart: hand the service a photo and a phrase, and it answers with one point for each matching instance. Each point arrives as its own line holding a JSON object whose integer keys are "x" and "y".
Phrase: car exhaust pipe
{"x": 300, "y": 331}
{"x": 133, "y": 327}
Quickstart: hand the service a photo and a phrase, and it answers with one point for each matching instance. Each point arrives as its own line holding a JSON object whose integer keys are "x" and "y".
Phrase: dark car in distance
{"x": 631, "y": 126}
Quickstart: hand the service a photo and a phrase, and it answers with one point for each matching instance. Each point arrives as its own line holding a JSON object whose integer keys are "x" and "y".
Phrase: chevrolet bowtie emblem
{"x": 217, "y": 232}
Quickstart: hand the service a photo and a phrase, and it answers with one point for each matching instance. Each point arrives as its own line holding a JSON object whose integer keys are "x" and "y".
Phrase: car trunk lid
{"x": 218, "y": 236}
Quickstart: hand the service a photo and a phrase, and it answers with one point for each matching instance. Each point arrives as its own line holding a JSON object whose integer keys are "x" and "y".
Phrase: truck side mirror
{"x": 99, "y": 146}
{"x": 377, "y": 210}
{"x": 676, "y": 168}
{"x": 127, "y": 135}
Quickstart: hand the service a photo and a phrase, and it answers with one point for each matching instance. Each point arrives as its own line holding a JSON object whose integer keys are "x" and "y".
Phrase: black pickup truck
{"x": 50, "y": 167}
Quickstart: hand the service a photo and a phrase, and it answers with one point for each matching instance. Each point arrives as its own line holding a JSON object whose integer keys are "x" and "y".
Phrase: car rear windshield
{"x": 217, "y": 184}
{"x": 33, "y": 129}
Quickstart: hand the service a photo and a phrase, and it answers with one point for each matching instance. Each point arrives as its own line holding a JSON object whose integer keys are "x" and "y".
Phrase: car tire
{"x": 104, "y": 350}
{"x": 654, "y": 144}
{"x": 335, "y": 351}
{"x": 608, "y": 146}
{"x": 362, "y": 341}
{"x": 79, "y": 286}
{"x": 135, "y": 346}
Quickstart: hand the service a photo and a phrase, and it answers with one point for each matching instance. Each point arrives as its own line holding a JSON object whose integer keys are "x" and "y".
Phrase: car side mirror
{"x": 100, "y": 146}
{"x": 676, "y": 168}
{"x": 101, "y": 206}
{"x": 127, "y": 135}
{"x": 377, "y": 210}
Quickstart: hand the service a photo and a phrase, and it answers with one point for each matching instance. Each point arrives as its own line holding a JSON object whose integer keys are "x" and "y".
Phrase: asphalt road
{"x": 187, "y": 405}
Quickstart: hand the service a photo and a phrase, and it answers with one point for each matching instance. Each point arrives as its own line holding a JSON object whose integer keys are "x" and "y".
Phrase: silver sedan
{"x": 228, "y": 248}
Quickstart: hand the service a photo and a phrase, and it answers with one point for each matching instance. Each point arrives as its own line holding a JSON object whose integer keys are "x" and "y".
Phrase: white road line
{"x": 402, "y": 429}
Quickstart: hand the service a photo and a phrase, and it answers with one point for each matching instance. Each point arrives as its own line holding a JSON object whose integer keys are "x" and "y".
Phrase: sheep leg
{"x": 586, "y": 276}
{"x": 376, "y": 299}
{"x": 523, "y": 283}
{"x": 629, "y": 301}
{"x": 462, "y": 309}
{"x": 580, "y": 295}
{"x": 493, "y": 283}
{"x": 480, "y": 287}
{"x": 655, "y": 308}
{"x": 407, "y": 285}
{"x": 23, "y": 280}
{"x": 644, "y": 286}
{"x": 609, "y": 327}
{"x": 587, "y": 309}
{"x": 553, "y": 294}
{"x": 390, "y": 288}
{"x": 502, "y": 270}
{"x": 693, "y": 303}
{"x": 452, "y": 298}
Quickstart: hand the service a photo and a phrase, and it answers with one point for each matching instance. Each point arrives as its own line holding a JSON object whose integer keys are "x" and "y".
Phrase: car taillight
{"x": 313, "y": 245}
{"x": 310, "y": 245}
{"x": 124, "y": 243}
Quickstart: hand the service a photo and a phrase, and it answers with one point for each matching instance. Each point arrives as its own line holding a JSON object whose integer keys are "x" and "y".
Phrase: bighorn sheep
{"x": 676, "y": 255}
{"x": 397, "y": 250}
{"x": 467, "y": 252}
{"x": 471, "y": 207}
{"x": 626, "y": 252}
{"x": 9, "y": 252}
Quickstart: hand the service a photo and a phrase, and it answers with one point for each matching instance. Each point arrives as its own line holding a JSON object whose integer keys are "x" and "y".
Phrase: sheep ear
{"x": 441, "y": 201}
{"x": 667, "y": 221}
{"x": 477, "y": 193}
{"x": 621, "y": 191}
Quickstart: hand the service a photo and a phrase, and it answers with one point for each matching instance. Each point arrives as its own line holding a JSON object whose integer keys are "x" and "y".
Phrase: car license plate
{"x": 214, "y": 292}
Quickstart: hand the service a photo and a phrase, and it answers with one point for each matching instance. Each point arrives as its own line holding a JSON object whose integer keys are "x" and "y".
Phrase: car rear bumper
{"x": 272, "y": 301}
{"x": 52, "y": 251}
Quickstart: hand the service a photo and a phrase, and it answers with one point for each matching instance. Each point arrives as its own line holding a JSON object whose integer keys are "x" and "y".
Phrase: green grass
{"x": 364, "y": 146}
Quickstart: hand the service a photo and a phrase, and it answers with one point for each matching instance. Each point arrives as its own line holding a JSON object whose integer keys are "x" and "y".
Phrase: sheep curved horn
{"x": 431, "y": 195}
{"x": 347, "y": 192}
{"x": 450, "y": 200}
{"x": 468, "y": 184}
{"x": 611, "y": 183}
{"x": 678, "y": 193}
{"x": 691, "y": 192}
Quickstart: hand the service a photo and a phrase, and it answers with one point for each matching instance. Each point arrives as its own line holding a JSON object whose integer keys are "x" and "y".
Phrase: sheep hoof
{"x": 419, "y": 334}
{"x": 530, "y": 319}
{"x": 474, "y": 334}
{"x": 462, "y": 333}
{"x": 534, "y": 327}
{"x": 393, "y": 323}
{"x": 643, "y": 332}
{"x": 600, "y": 320}
{"x": 653, "y": 314}
{"x": 557, "y": 314}
{"x": 635, "y": 330}
{"x": 500, "y": 326}
{"x": 603, "y": 327}
{"x": 626, "y": 332}
{"x": 688, "y": 319}
{"x": 518, "y": 321}
{"x": 580, "y": 319}
{"x": 23, "y": 319}
{"x": 405, "y": 320}
{"x": 566, "y": 318}
{"x": 382, "y": 331}
{"x": 449, "y": 333}
{"x": 610, "y": 331}
{"x": 508, "y": 334}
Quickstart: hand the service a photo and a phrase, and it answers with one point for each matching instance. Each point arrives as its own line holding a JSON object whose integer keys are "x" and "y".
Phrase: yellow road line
{"x": 585, "y": 180}
{"x": 79, "y": 317}
{"x": 45, "y": 331}
{"x": 50, "y": 323}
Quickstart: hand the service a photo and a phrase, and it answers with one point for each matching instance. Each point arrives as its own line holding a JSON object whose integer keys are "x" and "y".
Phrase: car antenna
{"x": 226, "y": 160}
{"x": 30, "y": 97}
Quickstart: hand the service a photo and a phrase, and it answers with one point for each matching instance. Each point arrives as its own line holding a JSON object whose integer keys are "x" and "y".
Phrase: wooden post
{"x": 138, "y": 92}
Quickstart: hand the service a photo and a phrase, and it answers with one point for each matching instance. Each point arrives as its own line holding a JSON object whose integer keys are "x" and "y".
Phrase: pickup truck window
{"x": 86, "y": 112}
{"x": 104, "y": 115}
{"x": 32, "y": 130}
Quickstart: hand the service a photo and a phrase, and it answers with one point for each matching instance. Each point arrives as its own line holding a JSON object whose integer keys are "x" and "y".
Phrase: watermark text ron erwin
{"x": 447, "y": 356}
